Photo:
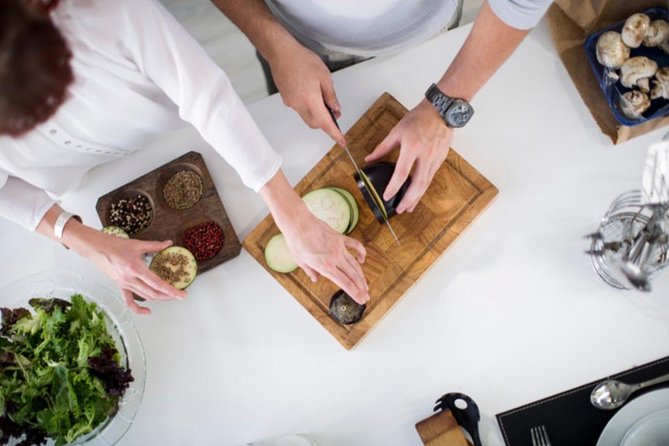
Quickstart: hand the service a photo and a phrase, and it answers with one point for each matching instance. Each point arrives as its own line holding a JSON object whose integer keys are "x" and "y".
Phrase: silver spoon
{"x": 644, "y": 243}
{"x": 636, "y": 277}
{"x": 612, "y": 394}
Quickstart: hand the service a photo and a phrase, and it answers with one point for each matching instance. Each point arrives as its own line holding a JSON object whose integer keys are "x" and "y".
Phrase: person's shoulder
{"x": 104, "y": 9}
{"x": 94, "y": 27}
{"x": 114, "y": 18}
{"x": 89, "y": 12}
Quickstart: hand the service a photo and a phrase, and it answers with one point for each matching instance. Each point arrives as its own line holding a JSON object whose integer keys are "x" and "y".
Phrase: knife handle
{"x": 332, "y": 115}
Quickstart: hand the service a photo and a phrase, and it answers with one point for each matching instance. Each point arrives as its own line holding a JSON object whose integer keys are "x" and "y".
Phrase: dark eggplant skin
{"x": 344, "y": 309}
{"x": 379, "y": 175}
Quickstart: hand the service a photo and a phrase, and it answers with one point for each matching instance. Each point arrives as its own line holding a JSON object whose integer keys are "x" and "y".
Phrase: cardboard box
{"x": 570, "y": 22}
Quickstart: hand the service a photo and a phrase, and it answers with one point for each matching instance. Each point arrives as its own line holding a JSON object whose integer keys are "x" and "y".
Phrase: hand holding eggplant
{"x": 119, "y": 258}
{"x": 123, "y": 261}
{"x": 424, "y": 142}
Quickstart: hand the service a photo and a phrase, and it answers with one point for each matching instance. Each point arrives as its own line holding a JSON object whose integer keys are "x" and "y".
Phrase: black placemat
{"x": 568, "y": 416}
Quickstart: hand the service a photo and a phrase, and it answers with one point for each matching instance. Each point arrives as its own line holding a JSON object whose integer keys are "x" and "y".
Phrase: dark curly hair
{"x": 35, "y": 67}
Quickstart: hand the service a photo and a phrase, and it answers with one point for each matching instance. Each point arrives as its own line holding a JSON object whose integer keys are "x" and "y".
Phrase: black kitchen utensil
{"x": 464, "y": 410}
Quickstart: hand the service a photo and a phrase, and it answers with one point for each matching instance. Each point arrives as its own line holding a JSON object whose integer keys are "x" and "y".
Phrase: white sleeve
{"x": 177, "y": 64}
{"x": 22, "y": 202}
{"x": 520, "y": 14}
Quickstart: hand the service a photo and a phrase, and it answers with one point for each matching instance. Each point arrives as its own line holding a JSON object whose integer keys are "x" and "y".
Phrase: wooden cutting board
{"x": 456, "y": 196}
{"x": 441, "y": 429}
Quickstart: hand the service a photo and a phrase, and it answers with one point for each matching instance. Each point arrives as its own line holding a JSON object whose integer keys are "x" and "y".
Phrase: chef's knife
{"x": 365, "y": 180}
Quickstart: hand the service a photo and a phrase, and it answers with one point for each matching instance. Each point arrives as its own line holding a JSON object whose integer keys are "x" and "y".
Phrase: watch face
{"x": 459, "y": 113}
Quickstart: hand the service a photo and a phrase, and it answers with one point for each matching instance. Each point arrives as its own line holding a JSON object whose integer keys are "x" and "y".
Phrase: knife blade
{"x": 362, "y": 175}
{"x": 334, "y": 119}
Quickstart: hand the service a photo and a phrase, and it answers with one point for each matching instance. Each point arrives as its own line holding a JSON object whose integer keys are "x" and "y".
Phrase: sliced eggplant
{"x": 175, "y": 265}
{"x": 373, "y": 183}
{"x": 278, "y": 256}
{"x": 355, "y": 212}
{"x": 376, "y": 197}
{"x": 331, "y": 207}
{"x": 334, "y": 206}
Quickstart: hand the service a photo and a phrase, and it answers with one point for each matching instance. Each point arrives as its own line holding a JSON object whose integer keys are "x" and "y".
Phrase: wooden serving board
{"x": 457, "y": 194}
{"x": 441, "y": 429}
{"x": 169, "y": 223}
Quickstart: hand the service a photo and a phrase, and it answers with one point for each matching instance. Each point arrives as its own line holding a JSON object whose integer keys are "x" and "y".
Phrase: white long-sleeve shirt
{"x": 135, "y": 67}
{"x": 372, "y": 27}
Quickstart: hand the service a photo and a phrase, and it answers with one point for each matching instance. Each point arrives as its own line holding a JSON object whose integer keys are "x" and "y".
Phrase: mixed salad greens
{"x": 60, "y": 371}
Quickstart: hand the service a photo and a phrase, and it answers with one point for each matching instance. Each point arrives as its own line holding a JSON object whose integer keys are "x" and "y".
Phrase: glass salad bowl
{"x": 63, "y": 284}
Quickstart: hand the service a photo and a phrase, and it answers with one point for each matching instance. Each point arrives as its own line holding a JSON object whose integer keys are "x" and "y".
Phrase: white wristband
{"x": 61, "y": 221}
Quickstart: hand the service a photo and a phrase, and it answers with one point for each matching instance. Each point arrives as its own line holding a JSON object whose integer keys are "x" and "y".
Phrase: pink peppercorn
{"x": 204, "y": 240}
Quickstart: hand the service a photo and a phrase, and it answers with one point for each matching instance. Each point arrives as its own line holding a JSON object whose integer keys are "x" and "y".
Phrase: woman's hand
{"x": 320, "y": 250}
{"x": 424, "y": 141}
{"x": 123, "y": 261}
{"x": 305, "y": 85}
{"x": 316, "y": 248}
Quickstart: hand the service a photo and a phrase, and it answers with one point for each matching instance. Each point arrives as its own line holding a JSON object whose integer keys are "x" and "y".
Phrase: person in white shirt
{"x": 302, "y": 40}
{"x": 91, "y": 81}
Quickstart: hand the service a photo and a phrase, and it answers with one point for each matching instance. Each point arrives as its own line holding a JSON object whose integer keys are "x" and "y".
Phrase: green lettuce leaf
{"x": 60, "y": 371}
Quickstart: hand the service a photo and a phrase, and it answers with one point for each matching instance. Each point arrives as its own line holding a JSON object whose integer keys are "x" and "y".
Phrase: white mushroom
{"x": 637, "y": 71}
{"x": 664, "y": 46}
{"x": 634, "y": 103}
{"x": 634, "y": 29}
{"x": 613, "y": 76}
{"x": 611, "y": 51}
{"x": 661, "y": 84}
{"x": 657, "y": 33}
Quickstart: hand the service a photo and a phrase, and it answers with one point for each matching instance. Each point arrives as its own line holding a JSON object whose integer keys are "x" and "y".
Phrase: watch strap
{"x": 439, "y": 100}
{"x": 445, "y": 104}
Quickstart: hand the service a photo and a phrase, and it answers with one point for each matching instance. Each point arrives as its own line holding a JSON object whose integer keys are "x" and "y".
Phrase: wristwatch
{"x": 455, "y": 112}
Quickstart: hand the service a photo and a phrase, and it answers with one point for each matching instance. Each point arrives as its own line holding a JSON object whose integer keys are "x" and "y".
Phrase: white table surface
{"x": 511, "y": 313}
